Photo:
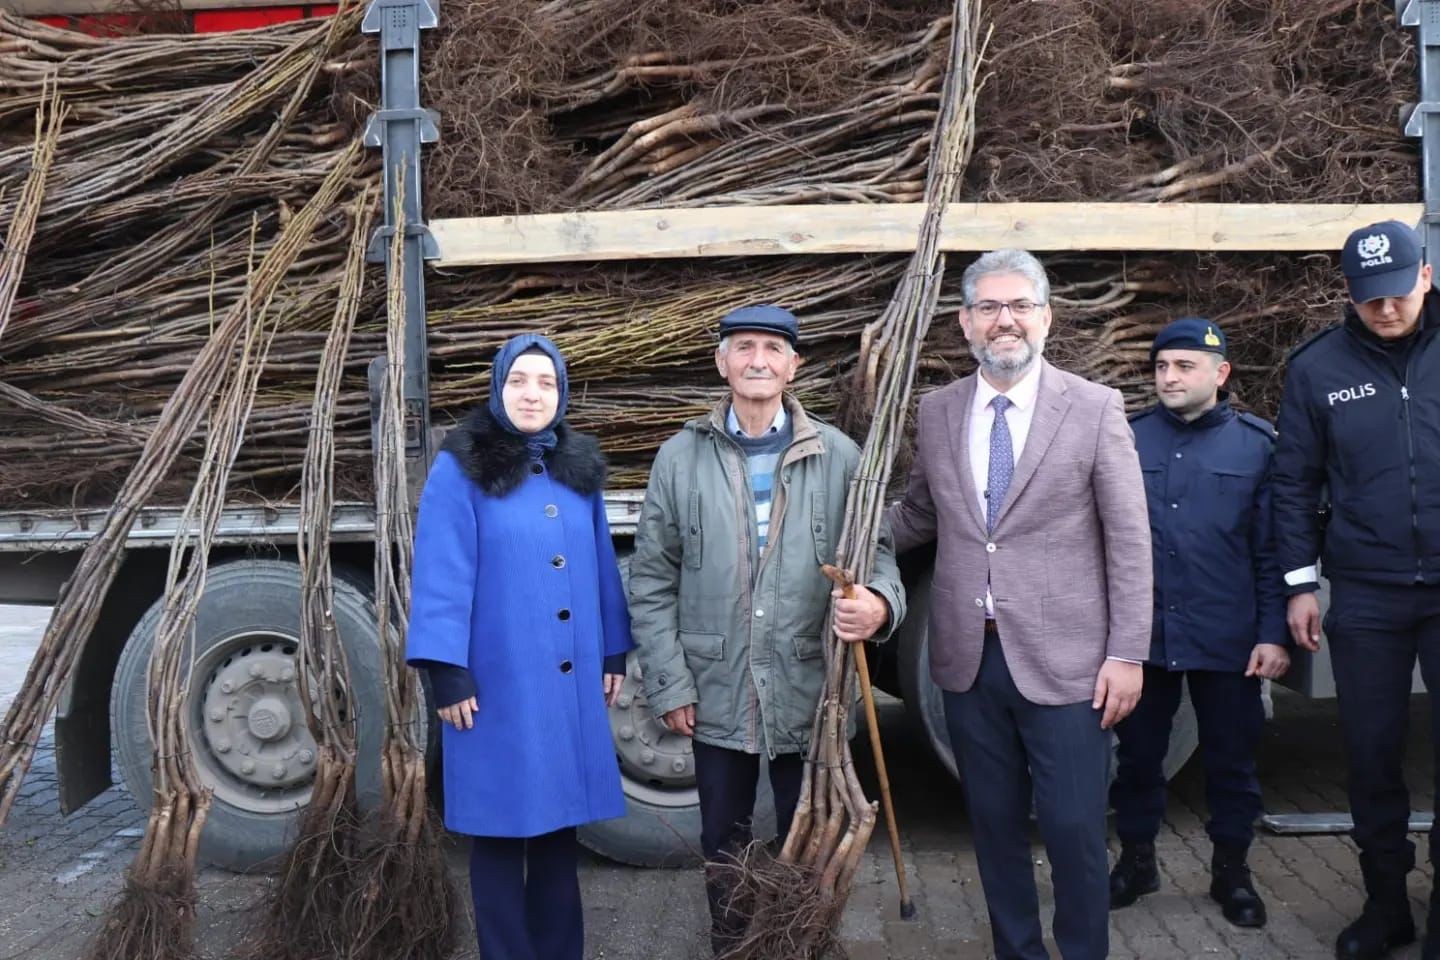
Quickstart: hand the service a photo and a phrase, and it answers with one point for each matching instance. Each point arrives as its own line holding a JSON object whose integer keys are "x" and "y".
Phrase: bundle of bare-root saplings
{"x": 178, "y": 164}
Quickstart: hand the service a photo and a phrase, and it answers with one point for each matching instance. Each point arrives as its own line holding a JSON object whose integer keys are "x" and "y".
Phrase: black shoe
{"x": 1379, "y": 930}
{"x": 1134, "y": 875}
{"x": 1230, "y": 886}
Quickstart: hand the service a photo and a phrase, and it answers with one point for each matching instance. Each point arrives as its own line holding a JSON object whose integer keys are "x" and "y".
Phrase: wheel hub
{"x": 648, "y": 752}
{"x": 250, "y": 714}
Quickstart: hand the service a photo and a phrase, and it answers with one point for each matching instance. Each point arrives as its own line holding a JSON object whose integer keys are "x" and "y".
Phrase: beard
{"x": 1011, "y": 365}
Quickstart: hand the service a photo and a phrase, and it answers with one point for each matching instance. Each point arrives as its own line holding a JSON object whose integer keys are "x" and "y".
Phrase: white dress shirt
{"x": 1018, "y": 416}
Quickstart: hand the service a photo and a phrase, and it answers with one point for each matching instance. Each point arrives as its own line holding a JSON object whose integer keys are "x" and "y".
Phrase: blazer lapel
{"x": 958, "y": 432}
{"x": 1051, "y": 405}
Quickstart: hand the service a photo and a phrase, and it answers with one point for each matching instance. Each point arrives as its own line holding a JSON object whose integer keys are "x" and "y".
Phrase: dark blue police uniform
{"x": 1218, "y": 592}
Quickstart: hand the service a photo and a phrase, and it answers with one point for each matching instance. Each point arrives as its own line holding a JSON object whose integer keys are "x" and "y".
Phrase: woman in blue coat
{"x": 518, "y": 614}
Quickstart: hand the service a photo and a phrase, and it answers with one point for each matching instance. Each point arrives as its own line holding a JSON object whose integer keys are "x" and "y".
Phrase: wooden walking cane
{"x": 846, "y": 583}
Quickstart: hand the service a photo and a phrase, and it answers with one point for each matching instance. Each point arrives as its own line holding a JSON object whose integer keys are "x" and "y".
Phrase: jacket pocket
{"x": 1074, "y": 640}
{"x": 707, "y": 646}
{"x": 694, "y": 534}
{"x": 1154, "y": 483}
{"x": 808, "y": 646}
{"x": 819, "y": 528}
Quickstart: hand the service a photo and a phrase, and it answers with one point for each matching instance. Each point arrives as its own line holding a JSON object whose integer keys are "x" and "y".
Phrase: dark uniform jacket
{"x": 1362, "y": 419}
{"x": 1218, "y": 587}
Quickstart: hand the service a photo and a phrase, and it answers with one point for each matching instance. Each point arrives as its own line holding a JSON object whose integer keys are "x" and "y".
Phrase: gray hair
{"x": 1011, "y": 260}
{"x": 724, "y": 346}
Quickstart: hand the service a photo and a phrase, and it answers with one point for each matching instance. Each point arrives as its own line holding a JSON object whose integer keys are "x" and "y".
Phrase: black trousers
{"x": 1376, "y": 632}
{"x": 1009, "y": 750}
{"x": 527, "y": 897}
{"x": 727, "y": 781}
{"x": 1231, "y": 719}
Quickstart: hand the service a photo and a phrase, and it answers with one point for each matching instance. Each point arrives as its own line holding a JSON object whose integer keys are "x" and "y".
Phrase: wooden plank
{"x": 75, "y": 8}
{"x": 892, "y": 228}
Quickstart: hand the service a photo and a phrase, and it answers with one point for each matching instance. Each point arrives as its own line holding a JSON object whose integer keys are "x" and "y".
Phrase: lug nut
{"x": 625, "y": 700}
{"x": 217, "y": 715}
{"x": 256, "y": 670}
{"x": 222, "y": 746}
{"x": 647, "y": 757}
{"x": 306, "y": 756}
{"x": 227, "y": 687}
{"x": 278, "y": 771}
{"x": 678, "y": 764}
{"x": 627, "y": 732}
{"x": 247, "y": 766}
{"x": 287, "y": 674}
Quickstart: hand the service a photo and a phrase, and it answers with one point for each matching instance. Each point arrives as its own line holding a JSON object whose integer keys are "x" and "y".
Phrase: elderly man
{"x": 727, "y": 599}
{"x": 1360, "y": 418}
{"x": 1219, "y": 614}
{"x": 1027, "y": 479}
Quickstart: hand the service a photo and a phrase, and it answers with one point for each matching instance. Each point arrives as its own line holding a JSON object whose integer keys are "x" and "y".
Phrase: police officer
{"x": 1219, "y": 614}
{"x": 1361, "y": 419}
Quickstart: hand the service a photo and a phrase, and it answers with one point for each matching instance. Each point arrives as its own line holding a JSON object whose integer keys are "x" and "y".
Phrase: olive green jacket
{"x": 743, "y": 644}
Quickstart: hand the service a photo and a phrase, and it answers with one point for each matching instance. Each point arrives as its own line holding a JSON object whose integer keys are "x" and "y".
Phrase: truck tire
{"x": 250, "y": 743}
{"x": 661, "y": 826}
{"x": 926, "y": 710}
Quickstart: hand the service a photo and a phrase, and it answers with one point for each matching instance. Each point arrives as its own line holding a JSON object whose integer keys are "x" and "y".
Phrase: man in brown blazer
{"x": 1027, "y": 479}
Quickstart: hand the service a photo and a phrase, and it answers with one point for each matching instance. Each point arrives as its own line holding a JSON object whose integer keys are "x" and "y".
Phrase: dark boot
{"x": 1230, "y": 886}
{"x": 1385, "y": 923}
{"x": 1134, "y": 875}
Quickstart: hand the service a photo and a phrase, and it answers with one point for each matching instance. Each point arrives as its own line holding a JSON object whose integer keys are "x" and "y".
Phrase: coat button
{"x": 537, "y": 468}
{"x": 564, "y": 614}
{"x": 662, "y": 679}
{"x": 1179, "y": 456}
{"x": 551, "y": 510}
{"x": 979, "y": 602}
{"x": 989, "y": 548}
{"x": 1174, "y": 506}
{"x": 759, "y": 613}
{"x": 558, "y": 562}
{"x": 566, "y": 666}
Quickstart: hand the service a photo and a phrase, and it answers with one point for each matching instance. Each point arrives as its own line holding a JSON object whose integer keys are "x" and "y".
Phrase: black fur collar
{"x": 498, "y": 462}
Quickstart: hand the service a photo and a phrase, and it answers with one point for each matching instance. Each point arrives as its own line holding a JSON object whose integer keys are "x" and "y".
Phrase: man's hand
{"x": 858, "y": 619}
{"x": 460, "y": 715}
{"x": 613, "y": 683}
{"x": 1303, "y": 615}
{"x": 681, "y": 720}
{"x": 1269, "y": 661}
{"x": 1117, "y": 689}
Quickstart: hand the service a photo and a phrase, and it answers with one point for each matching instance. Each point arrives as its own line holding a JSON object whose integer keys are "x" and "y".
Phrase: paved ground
{"x": 58, "y": 874}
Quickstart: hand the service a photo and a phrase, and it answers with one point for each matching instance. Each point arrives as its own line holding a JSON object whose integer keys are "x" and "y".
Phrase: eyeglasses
{"x": 990, "y": 309}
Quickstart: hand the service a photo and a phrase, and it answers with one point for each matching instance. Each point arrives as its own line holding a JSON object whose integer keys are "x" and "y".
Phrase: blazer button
{"x": 558, "y": 563}
{"x": 566, "y": 666}
{"x": 536, "y": 469}
{"x": 551, "y": 510}
{"x": 979, "y": 601}
{"x": 989, "y": 548}
{"x": 564, "y": 615}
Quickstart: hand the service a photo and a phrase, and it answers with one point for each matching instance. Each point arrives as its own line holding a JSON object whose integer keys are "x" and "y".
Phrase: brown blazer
{"x": 1069, "y": 568}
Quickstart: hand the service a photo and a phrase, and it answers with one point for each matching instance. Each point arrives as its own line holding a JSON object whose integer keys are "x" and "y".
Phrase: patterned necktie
{"x": 1002, "y": 462}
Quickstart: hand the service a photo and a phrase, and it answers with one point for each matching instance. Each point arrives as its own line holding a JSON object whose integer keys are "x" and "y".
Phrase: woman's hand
{"x": 461, "y": 715}
{"x": 613, "y": 682}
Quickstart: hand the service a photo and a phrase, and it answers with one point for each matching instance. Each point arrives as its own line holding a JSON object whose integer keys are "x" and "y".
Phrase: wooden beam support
{"x": 892, "y": 228}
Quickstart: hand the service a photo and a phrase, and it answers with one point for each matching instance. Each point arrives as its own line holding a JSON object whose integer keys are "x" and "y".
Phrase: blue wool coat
{"x": 515, "y": 579}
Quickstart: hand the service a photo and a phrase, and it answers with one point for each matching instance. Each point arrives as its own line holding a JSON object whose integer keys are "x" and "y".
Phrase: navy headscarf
{"x": 536, "y": 443}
